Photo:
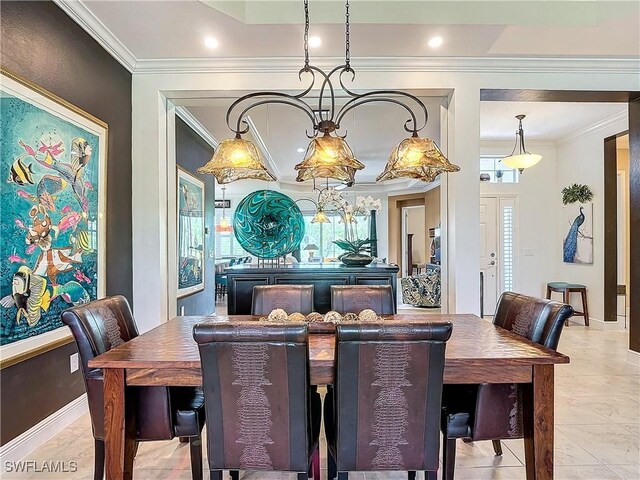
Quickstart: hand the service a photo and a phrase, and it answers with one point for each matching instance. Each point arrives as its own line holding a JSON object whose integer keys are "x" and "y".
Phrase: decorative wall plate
{"x": 268, "y": 224}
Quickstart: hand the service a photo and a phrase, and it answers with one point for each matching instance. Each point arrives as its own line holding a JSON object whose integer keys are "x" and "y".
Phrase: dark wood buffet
{"x": 242, "y": 278}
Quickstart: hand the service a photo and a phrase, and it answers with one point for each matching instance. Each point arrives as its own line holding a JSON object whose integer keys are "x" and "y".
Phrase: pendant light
{"x": 522, "y": 159}
{"x": 224, "y": 225}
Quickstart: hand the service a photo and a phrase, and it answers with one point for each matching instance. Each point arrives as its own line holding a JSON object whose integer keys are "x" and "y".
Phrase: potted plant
{"x": 356, "y": 252}
{"x": 577, "y": 193}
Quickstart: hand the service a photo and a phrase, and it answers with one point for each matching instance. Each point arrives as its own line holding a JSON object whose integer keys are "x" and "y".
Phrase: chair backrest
{"x": 499, "y": 406}
{"x": 232, "y": 262}
{"x": 98, "y": 327}
{"x": 539, "y": 320}
{"x": 290, "y": 298}
{"x": 255, "y": 379}
{"x": 388, "y": 394}
{"x": 355, "y": 298}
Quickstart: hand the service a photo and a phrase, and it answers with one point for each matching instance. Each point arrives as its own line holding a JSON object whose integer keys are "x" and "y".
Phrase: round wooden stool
{"x": 566, "y": 289}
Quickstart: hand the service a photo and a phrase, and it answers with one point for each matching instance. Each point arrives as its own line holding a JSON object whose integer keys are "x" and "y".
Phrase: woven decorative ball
{"x": 332, "y": 316}
{"x": 278, "y": 315}
{"x": 297, "y": 317}
{"x": 315, "y": 317}
{"x": 368, "y": 315}
{"x": 350, "y": 317}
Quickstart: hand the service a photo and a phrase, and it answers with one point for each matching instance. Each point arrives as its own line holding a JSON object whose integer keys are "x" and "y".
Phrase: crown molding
{"x": 79, "y": 13}
{"x": 594, "y": 128}
{"x": 259, "y": 142}
{"x": 187, "y": 117}
{"x": 621, "y": 66}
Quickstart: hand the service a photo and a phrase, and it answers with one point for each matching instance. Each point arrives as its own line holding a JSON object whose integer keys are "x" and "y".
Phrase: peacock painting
{"x": 578, "y": 242}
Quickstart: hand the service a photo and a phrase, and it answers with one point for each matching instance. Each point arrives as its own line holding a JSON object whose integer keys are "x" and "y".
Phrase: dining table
{"x": 477, "y": 352}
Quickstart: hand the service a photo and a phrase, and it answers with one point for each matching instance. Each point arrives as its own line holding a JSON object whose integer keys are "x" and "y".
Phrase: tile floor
{"x": 597, "y": 428}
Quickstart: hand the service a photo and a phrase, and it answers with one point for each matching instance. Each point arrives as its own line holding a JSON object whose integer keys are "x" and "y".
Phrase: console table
{"x": 242, "y": 278}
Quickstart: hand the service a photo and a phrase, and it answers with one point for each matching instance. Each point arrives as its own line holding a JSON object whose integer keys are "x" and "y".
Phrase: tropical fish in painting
{"x": 30, "y": 151}
{"x": 14, "y": 258}
{"x": 81, "y": 277}
{"x": 80, "y": 155}
{"x": 56, "y": 260}
{"x": 82, "y": 240}
{"x": 69, "y": 221}
{"x": 30, "y": 295}
{"x": 54, "y": 150}
{"x": 71, "y": 292}
{"x": 40, "y": 230}
{"x": 20, "y": 173}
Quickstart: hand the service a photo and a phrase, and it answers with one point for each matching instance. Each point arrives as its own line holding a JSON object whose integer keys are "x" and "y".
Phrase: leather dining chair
{"x": 290, "y": 298}
{"x": 494, "y": 411}
{"x": 162, "y": 413}
{"x": 382, "y": 413}
{"x": 355, "y": 298}
{"x": 263, "y": 414}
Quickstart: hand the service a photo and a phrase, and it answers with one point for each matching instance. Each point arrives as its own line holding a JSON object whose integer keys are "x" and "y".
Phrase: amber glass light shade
{"x": 418, "y": 158}
{"x": 328, "y": 157}
{"x": 320, "y": 217}
{"x": 236, "y": 159}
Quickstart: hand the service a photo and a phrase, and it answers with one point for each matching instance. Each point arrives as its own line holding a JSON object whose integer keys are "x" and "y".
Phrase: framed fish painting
{"x": 191, "y": 245}
{"x": 577, "y": 244}
{"x": 52, "y": 217}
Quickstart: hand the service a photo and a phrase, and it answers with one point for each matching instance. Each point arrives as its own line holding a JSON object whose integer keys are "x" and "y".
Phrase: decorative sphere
{"x": 332, "y": 316}
{"x": 278, "y": 315}
{"x": 368, "y": 315}
{"x": 350, "y": 317}
{"x": 315, "y": 317}
{"x": 297, "y": 317}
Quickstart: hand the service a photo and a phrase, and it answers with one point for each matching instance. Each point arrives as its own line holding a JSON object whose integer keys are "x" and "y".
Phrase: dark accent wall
{"x": 42, "y": 44}
{"x": 634, "y": 204}
{"x": 610, "y": 281}
{"x": 193, "y": 152}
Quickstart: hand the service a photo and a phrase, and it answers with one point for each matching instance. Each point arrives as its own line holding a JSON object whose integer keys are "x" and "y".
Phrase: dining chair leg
{"x": 195, "y": 451}
{"x": 497, "y": 447}
{"x": 430, "y": 475}
{"x": 449, "y": 458}
{"x": 315, "y": 465}
{"x": 411, "y": 475}
{"x": 332, "y": 469}
{"x": 98, "y": 469}
{"x": 215, "y": 474}
{"x": 585, "y": 309}
{"x": 235, "y": 474}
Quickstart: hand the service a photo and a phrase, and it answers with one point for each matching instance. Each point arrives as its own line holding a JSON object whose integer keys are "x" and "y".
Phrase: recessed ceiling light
{"x": 315, "y": 42}
{"x": 211, "y": 42}
{"x": 300, "y": 150}
{"x": 436, "y": 42}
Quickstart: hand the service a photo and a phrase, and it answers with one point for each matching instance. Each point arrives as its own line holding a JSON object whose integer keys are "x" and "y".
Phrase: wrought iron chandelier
{"x": 522, "y": 159}
{"x": 328, "y": 154}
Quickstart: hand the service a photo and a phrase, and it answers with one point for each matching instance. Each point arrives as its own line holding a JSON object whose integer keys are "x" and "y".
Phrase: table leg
{"x": 120, "y": 446}
{"x": 538, "y": 423}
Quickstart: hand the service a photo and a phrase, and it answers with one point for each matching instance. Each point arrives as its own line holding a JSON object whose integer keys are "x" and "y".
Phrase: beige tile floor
{"x": 597, "y": 428}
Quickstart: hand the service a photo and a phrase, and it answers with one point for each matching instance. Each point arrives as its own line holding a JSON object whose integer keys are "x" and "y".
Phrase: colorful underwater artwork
{"x": 577, "y": 246}
{"x": 51, "y": 213}
{"x": 190, "y": 234}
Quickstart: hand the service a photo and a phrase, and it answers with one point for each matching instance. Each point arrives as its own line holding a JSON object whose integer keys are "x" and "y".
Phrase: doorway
{"x": 414, "y": 239}
{"x": 489, "y": 253}
{"x": 623, "y": 220}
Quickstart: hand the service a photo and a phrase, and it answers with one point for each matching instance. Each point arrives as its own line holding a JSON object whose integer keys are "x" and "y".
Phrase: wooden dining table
{"x": 478, "y": 352}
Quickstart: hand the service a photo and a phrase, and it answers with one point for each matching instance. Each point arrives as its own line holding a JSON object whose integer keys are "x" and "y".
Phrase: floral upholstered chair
{"x": 422, "y": 290}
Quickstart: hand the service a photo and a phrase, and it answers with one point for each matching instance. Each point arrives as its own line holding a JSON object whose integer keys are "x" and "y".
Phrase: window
{"x": 225, "y": 242}
{"x": 507, "y": 244}
{"x": 323, "y": 234}
{"x": 497, "y": 171}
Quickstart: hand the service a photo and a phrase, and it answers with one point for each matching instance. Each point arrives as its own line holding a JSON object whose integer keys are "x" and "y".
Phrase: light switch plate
{"x": 529, "y": 252}
{"x": 73, "y": 363}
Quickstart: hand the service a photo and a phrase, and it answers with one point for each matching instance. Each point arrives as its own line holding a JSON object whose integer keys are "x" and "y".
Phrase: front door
{"x": 489, "y": 252}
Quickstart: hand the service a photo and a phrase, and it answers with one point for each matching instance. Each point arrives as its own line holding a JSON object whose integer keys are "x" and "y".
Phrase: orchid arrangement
{"x": 331, "y": 199}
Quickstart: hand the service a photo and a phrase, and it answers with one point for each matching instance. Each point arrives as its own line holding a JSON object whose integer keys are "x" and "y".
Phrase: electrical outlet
{"x": 529, "y": 252}
{"x": 73, "y": 363}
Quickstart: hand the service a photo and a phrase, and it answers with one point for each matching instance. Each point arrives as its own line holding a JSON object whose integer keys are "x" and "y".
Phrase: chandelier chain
{"x": 347, "y": 55}
{"x": 306, "y": 34}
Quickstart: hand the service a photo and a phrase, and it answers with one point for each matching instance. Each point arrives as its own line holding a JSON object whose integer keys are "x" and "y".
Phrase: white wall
{"x": 465, "y": 77}
{"x": 416, "y": 225}
{"x": 581, "y": 160}
{"x": 537, "y": 196}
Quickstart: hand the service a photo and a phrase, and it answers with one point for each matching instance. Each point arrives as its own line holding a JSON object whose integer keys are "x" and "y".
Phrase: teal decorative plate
{"x": 268, "y": 224}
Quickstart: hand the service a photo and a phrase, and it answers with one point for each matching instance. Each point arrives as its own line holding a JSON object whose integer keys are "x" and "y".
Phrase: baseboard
{"x": 633, "y": 357}
{"x": 24, "y": 444}
{"x": 598, "y": 324}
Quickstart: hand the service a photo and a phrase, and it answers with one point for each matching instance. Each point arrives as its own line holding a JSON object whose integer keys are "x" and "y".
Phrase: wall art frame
{"x": 53, "y": 221}
{"x": 191, "y": 234}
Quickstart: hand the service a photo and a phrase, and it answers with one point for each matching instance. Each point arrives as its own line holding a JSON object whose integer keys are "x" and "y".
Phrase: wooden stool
{"x": 566, "y": 289}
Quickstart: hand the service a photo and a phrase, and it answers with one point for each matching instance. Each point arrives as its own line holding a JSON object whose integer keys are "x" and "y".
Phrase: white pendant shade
{"x": 522, "y": 161}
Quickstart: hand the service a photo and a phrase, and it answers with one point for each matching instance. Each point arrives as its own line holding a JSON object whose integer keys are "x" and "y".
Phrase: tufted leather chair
{"x": 382, "y": 413}
{"x": 355, "y": 298}
{"x": 494, "y": 411}
{"x": 162, "y": 413}
{"x": 256, "y": 378}
{"x": 291, "y": 298}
